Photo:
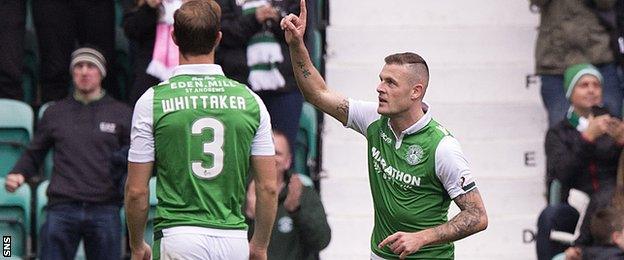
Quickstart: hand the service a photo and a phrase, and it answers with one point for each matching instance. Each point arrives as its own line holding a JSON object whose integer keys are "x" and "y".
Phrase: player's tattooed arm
{"x": 305, "y": 72}
{"x": 470, "y": 220}
{"x": 343, "y": 107}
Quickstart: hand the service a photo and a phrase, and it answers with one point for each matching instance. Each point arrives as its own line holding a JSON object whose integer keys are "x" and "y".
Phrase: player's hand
{"x": 142, "y": 252}
{"x": 13, "y": 181}
{"x": 250, "y": 204}
{"x": 573, "y": 253}
{"x": 257, "y": 253}
{"x": 403, "y": 243}
{"x": 294, "y": 26}
{"x": 293, "y": 199}
{"x": 598, "y": 126}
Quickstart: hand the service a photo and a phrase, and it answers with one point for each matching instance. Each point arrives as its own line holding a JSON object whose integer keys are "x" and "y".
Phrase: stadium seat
{"x": 579, "y": 200}
{"x": 555, "y": 193}
{"x": 48, "y": 163}
{"x": 40, "y": 202}
{"x": 317, "y": 52}
{"x": 153, "y": 201}
{"x": 305, "y": 146}
{"x": 30, "y": 69}
{"x": 560, "y": 256}
{"x": 15, "y": 218}
{"x": 16, "y": 130}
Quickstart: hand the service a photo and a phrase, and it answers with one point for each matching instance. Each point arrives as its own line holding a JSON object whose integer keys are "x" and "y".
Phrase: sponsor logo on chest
{"x": 392, "y": 173}
{"x": 107, "y": 127}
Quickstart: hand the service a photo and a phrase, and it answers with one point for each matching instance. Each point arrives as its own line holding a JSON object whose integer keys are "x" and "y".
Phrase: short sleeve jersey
{"x": 200, "y": 129}
{"x": 413, "y": 176}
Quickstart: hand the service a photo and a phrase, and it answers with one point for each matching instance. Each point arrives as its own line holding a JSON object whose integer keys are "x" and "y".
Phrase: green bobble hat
{"x": 574, "y": 73}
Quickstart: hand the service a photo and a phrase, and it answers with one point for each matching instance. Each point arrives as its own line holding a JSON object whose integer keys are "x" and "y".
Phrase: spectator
{"x": 149, "y": 24}
{"x": 253, "y": 51}
{"x": 13, "y": 24}
{"x": 610, "y": 198}
{"x": 571, "y": 33}
{"x": 581, "y": 152}
{"x": 59, "y": 25}
{"x": 300, "y": 230}
{"x": 86, "y": 129}
{"x": 607, "y": 232}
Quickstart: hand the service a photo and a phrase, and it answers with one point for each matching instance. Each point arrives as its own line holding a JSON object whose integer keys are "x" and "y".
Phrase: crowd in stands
{"x": 88, "y": 89}
{"x": 578, "y": 60}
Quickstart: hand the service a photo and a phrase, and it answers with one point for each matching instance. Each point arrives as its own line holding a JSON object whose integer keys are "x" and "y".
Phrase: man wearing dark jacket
{"x": 301, "y": 229}
{"x": 582, "y": 152}
{"x": 253, "y": 51}
{"x": 86, "y": 130}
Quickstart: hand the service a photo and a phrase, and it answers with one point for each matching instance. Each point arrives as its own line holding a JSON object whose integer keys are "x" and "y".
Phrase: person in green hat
{"x": 582, "y": 152}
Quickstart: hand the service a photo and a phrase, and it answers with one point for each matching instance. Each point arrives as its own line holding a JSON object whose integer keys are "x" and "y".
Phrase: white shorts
{"x": 199, "y": 246}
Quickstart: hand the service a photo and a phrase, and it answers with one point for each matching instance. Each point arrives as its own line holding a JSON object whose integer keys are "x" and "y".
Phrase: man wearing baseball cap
{"x": 86, "y": 130}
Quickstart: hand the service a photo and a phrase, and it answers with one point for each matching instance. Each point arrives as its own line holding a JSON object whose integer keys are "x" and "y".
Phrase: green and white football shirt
{"x": 200, "y": 129}
{"x": 413, "y": 177}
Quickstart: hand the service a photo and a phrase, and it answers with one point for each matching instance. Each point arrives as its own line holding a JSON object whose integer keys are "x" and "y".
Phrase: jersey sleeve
{"x": 262, "y": 143}
{"x": 452, "y": 168}
{"x": 141, "y": 132}
{"x": 361, "y": 115}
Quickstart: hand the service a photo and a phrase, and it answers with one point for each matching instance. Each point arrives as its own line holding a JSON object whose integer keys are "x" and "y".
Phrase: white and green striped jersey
{"x": 200, "y": 129}
{"x": 413, "y": 176}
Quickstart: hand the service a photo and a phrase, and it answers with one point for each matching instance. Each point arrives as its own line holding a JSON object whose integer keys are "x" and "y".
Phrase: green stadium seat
{"x": 40, "y": 202}
{"x": 305, "y": 147}
{"x": 555, "y": 193}
{"x": 47, "y": 163}
{"x": 30, "y": 72}
{"x": 317, "y": 49}
{"x": 15, "y": 218}
{"x": 153, "y": 201}
{"x": 16, "y": 130}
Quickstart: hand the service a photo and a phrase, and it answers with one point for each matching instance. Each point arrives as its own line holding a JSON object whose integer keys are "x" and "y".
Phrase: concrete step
{"x": 486, "y": 121}
{"x": 512, "y": 205}
{"x": 465, "y": 45}
{"x": 494, "y": 144}
{"x": 431, "y": 12}
{"x": 466, "y": 84}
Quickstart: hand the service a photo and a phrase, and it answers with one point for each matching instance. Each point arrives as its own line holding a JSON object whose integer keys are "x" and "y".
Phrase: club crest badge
{"x": 414, "y": 154}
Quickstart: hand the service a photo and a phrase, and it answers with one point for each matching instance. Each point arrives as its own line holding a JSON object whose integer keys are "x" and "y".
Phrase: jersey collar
{"x": 198, "y": 69}
{"x": 420, "y": 124}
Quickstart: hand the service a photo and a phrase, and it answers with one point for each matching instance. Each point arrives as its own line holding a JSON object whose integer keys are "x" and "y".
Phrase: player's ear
{"x": 418, "y": 91}
{"x": 218, "y": 39}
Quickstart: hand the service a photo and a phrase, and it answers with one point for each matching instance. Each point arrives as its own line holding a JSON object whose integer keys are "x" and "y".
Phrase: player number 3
{"x": 215, "y": 147}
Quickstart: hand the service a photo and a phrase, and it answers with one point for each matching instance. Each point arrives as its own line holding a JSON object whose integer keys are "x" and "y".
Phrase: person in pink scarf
{"x": 148, "y": 26}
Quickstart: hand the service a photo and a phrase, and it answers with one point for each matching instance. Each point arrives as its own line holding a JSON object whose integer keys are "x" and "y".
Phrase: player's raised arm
{"x": 309, "y": 80}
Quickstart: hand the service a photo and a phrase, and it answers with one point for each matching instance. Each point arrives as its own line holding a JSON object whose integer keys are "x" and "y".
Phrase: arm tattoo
{"x": 343, "y": 107}
{"x": 466, "y": 222}
{"x": 305, "y": 71}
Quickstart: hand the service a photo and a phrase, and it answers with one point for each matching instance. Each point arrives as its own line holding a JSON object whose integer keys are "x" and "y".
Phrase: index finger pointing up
{"x": 304, "y": 12}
